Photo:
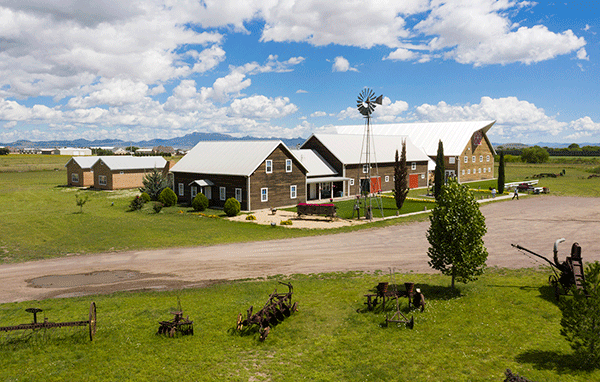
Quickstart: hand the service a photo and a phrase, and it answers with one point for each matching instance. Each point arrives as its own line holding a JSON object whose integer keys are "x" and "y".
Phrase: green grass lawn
{"x": 507, "y": 319}
{"x": 40, "y": 219}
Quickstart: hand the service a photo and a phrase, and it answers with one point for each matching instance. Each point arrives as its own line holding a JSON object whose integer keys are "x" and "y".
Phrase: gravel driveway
{"x": 533, "y": 221}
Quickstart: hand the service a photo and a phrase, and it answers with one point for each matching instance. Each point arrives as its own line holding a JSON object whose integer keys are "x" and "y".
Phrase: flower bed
{"x": 327, "y": 209}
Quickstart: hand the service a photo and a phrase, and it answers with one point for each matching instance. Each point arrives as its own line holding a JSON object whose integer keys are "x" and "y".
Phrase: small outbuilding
{"x": 79, "y": 171}
{"x": 118, "y": 172}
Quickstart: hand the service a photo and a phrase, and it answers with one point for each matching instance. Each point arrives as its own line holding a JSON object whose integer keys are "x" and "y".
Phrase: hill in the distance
{"x": 186, "y": 142}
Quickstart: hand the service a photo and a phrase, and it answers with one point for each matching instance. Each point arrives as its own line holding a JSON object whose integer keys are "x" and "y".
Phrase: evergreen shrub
{"x": 232, "y": 207}
{"x": 167, "y": 197}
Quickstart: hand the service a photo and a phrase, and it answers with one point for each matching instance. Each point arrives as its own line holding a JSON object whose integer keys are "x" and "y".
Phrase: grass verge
{"x": 506, "y": 319}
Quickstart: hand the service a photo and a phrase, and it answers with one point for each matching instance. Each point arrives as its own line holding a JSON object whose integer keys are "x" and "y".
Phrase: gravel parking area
{"x": 533, "y": 221}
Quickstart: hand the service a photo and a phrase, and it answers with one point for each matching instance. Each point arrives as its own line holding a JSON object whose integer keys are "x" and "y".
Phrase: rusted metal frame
{"x": 49, "y": 325}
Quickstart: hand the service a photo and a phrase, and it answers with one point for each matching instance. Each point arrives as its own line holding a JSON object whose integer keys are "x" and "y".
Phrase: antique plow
{"x": 385, "y": 293}
{"x": 178, "y": 325}
{"x": 35, "y": 325}
{"x": 567, "y": 274}
{"x": 277, "y": 308}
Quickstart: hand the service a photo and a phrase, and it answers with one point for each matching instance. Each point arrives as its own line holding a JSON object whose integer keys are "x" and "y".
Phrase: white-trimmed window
{"x": 102, "y": 180}
{"x": 288, "y": 165}
{"x": 264, "y": 194}
{"x": 484, "y": 169}
{"x": 451, "y": 160}
{"x": 468, "y": 171}
{"x": 487, "y": 158}
{"x": 489, "y": 169}
{"x": 463, "y": 171}
{"x": 269, "y": 166}
{"x": 238, "y": 194}
{"x": 194, "y": 191}
{"x": 474, "y": 158}
{"x": 422, "y": 176}
{"x": 121, "y": 172}
{"x": 481, "y": 158}
{"x": 413, "y": 166}
{"x": 293, "y": 192}
{"x": 365, "y": 169}
{"x": 387, "y": 178}
{"x": 222, "y": 193}
{"x": 75, "y": 177}
{"x": 479, "y": 170}
{"x": 466, "y": 159}
{"x": 180, "y": 187}
{"x": 351, "y": 182}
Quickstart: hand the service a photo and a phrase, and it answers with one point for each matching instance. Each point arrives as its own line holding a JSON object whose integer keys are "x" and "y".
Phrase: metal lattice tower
{"x": 366, "y": 104}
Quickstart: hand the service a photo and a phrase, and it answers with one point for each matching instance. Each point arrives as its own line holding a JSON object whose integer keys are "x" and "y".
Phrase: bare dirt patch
{"x": 535, "y": 222}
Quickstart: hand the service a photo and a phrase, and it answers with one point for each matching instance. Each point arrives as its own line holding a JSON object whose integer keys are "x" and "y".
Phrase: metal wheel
{"x": 92, "y": 323}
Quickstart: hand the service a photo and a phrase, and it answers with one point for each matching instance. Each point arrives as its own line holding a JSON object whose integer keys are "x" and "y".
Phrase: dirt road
{"x": 534, "y": 222}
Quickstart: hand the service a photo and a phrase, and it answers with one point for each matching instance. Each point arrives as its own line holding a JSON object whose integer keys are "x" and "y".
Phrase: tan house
{"x": 118, "y": 172}
{"x": 468, "y": 153}
{"x": 259, "y": 174}
{"x": 79, "y": 171}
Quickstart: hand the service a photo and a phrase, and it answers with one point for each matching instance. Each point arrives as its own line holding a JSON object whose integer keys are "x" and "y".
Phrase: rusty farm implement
{"x": 278, "y": 307}
{"x": 178, "y": 325}
{"x": 35, "y": 325}
{"x": 567, "y": 274}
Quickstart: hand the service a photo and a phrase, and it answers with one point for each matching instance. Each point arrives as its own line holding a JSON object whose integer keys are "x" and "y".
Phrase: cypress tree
{"x": 400, "y": 177}
{"x": 439, "y": 171}
{"x": 501, "y": 174}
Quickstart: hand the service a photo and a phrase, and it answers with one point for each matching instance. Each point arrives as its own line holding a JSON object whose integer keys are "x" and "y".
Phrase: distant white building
{"x": 72, "y": 151}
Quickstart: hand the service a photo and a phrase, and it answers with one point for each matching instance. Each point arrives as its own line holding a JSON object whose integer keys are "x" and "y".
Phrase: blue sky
{"x": 165, "y": 68}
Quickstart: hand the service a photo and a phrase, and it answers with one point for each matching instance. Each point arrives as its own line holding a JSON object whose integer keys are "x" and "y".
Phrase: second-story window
{"x": 269, "y": 166}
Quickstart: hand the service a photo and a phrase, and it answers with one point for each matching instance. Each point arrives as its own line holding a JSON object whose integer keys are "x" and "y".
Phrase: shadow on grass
{"x": 563, "y": 363}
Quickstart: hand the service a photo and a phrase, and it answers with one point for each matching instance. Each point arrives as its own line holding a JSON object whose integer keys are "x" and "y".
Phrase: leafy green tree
{"x": 581, "y": 318}
{"x": 200, "y": 202}
{"x": 167, "y": 197}
{"x": 400, "y": 177}
{"x": 456, "y": 234}
{"x": 574, "y": 147}
{"x": 440, "y": 171}
{"x": 154, "y": 183}
{"x": 232, "y": 207}
{"x": 501, "y": 174}
{"x": 535, "y": 154}
{"x": 4, "y": 151}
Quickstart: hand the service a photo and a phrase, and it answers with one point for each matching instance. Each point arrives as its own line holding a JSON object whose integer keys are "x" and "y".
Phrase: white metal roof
{"x": 314, "y": 163}
{"x": 133, "y": 163}
{"x": 84, "y": 162}
{"x": 227, "y": 157}
{"x": 454, "y": 135}
{"x": 348, "y": 147}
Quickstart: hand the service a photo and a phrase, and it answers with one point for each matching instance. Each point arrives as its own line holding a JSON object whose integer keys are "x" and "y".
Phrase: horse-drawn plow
{"x": 35, "y": 325}
{"x": 278, "y": 307}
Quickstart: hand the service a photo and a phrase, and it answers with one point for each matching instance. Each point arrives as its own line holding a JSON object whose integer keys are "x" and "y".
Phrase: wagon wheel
{"x": 92, "y": 322}
{"x": 240, "y": 322}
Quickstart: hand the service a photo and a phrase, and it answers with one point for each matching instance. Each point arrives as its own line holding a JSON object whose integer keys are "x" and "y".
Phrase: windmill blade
{"x": 379, "y": 100}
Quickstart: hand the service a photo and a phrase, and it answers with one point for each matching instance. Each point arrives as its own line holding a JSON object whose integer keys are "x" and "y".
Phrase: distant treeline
{"x": 572, "y": 151}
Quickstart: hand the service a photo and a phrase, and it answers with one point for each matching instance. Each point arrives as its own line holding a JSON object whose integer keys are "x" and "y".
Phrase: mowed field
{"x": 506, "y": 319}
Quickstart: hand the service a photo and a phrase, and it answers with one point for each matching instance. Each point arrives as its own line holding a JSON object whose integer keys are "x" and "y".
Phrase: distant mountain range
{"x": 544, "y": 144}
{"x": 190, "y": 140}
{"x": 186, "y": 142}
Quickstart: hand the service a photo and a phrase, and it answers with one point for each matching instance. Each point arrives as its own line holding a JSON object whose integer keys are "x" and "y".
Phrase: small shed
{"x": 118, "y": 172}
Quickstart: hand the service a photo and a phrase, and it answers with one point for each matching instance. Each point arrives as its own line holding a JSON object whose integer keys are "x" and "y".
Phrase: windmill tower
{"x": 369, "y": 179}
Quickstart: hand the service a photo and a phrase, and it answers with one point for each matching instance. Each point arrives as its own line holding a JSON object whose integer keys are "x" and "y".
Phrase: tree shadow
{"x": 562, "y": 363}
